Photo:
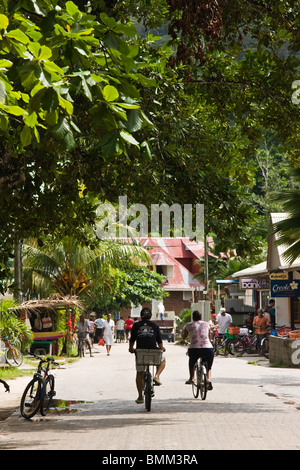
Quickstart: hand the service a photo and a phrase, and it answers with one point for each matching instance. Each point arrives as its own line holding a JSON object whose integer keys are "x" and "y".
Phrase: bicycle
{"x": 39, "y": 392}
{"x": 265, "y": 346}
{"x": 200, "y": 381}
{"x": 12, "y": 353}
{"x": 247, "y": 343}
{"x": 147, "y": 358}
{"x": 220, "y": 344}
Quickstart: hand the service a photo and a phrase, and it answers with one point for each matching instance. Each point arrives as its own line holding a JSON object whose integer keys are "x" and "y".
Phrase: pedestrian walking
{"x": 128, "y": 327}
{"x": 92, "y": 327}
{"x": 99, "y": 326}
{"x": 82, "y": 329}
{"x": 108, "y": 333}
{"x": 120, "y": 329}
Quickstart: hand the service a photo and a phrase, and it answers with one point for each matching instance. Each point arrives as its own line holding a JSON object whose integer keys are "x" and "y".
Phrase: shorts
{"x": 140, "y": 368}
{"x": 206, "y": 353}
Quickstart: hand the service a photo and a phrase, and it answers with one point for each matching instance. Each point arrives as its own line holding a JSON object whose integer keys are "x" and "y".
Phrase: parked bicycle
{"x": 12, "y": 353}
{"x": 223, "y": 345}
{"x": 265, "y": 346}
{"x": 39, "y": 392}
{"x": 148, "y": 358}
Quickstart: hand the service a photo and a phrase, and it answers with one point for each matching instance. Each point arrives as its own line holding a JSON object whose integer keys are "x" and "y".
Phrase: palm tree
{"x": 69, "y": 268}
{"x": 288, "y": 230}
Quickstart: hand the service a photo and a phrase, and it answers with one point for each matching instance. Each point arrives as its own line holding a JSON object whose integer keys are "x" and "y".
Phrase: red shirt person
{"x": 128, "y": 327}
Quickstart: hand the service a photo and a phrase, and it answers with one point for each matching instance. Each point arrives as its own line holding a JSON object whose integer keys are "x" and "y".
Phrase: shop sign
{"x": 283, "y": 288}
{"x": 251, "y": 283}
{"x": 278, "y": 276}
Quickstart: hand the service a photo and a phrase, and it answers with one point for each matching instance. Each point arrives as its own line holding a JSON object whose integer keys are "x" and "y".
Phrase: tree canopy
{"x": 90, "y": 110}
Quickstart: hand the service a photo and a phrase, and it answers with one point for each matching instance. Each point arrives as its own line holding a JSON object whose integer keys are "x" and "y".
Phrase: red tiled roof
{"x": 168, "y": 252}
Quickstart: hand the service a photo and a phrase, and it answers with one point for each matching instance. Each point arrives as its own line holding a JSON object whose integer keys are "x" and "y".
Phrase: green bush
{"x": 12, "y": 326}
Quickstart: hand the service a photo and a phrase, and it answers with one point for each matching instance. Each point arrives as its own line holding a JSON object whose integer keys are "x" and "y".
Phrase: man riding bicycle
{"x": 200, "y": 345}
{"x": 147, "y": 335}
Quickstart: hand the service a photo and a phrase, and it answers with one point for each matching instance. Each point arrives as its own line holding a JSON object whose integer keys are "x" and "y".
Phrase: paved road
{"x": 252, "y": 406}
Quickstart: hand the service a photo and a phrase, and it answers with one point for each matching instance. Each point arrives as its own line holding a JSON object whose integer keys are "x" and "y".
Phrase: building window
{"x": 167, "y": 271}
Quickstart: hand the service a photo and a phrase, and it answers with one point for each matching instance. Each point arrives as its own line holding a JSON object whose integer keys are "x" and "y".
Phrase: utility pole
{"x": 206, "y": 274}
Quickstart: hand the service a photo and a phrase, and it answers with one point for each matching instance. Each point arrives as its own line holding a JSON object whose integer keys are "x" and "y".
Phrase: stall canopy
{"x": 52, "y": 303}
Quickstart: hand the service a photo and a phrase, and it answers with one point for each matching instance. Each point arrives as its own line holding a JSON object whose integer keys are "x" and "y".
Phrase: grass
{"x": 10, "y": 373}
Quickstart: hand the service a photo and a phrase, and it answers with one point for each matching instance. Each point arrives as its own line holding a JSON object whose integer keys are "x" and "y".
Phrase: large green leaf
{"x": 110, "y": 93}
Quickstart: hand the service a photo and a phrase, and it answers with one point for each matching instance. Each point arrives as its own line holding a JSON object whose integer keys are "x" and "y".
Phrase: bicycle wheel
{"x": 265, "y": 347}
{"x": 239, "y": 346}
{"x": 49, "y": 394}
{"x": 196, "y": 383}
{"x": 148, "y": 390}
{"x": 203, "y": 382}
{"x": 230, "y": 346}
{"x": 32, "y": 397}
{"x": 13, "y": 356}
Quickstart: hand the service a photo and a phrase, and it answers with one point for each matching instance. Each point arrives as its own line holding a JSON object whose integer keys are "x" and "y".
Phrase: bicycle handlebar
{"x": 41, "y": 359}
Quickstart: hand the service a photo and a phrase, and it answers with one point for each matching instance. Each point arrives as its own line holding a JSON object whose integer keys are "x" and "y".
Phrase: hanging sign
{"x": 251, "y": 283}
{"x": 285, "y": 288}
{"x": 278, "y": 276}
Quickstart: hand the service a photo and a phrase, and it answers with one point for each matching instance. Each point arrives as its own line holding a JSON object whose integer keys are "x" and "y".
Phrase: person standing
{"x": 161, "y": 310}
{"x": 108, "y": 333}
{"x": 224, "y": 320}
{"x": 261, "y": 324}
{"x": 213, "y": 325}
{"x": 272, "y": 313}
{"x": 200, "y": 346}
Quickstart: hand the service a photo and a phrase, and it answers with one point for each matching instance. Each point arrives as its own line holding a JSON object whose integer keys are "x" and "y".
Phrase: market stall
{"x": 43, "y": 317}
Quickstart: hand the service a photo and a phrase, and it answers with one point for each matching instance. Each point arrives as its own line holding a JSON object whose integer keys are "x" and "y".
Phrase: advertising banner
{"x": 285, "y": 288}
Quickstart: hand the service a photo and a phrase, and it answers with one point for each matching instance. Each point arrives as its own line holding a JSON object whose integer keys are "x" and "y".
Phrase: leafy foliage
{"x": 120, "y": 289}
{"x": 288, "y": 230}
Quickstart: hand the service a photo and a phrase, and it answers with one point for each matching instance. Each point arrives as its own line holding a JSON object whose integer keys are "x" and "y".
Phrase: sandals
{"x": 139, "y": 401}
{"x": 189, "y": 382}
{"x": 156, "y": 381}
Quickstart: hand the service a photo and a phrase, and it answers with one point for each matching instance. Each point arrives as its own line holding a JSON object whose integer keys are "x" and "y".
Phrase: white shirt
{"x": 224, "y": 322}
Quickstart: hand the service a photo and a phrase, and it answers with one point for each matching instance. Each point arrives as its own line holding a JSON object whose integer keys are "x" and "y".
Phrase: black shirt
{"x": 146, "y": 334}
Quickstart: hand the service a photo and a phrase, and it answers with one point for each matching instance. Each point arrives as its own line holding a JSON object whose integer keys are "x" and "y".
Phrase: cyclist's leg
{"x": 140, "y": 382}
{"x": 194, "y": 355}
{"x": 159, "y": 370}
{"x": 208, "y": 356}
